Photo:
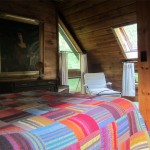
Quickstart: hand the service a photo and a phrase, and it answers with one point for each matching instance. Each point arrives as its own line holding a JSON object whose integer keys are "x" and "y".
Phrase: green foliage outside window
{"x": 75, "y": 85}
{"x": 73, "y": 58}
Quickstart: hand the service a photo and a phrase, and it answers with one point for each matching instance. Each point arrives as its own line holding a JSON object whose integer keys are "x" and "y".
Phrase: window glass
{"x": 73, "y": 61}
{"x": 131, "y": 31}
{"x": 74, "y": 84}
{"x": 63, "y": 46}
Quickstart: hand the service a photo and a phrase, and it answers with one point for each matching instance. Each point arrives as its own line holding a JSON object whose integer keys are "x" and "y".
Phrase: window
{"x": 127, "y": 37}
{"x": 65, "y": 45}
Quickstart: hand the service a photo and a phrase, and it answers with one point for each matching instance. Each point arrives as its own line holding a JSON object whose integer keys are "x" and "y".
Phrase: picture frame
{"x": 20, "y": 46}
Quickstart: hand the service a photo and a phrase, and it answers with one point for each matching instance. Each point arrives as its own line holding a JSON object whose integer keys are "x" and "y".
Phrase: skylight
{"x": 127, "y": 36}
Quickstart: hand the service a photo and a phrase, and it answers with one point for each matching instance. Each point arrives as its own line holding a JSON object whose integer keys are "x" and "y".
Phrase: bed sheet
{"x": 43, "y": 120}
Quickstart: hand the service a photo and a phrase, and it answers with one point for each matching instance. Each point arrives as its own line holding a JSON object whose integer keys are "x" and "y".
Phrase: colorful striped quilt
{"x": 42, "y": 120}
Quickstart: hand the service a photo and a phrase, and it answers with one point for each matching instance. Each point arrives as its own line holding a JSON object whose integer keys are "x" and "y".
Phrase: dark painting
{"x": 19, "y": 46}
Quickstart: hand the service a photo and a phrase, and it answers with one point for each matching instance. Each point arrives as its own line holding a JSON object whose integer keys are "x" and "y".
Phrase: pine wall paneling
{"x": 143, "y": 19}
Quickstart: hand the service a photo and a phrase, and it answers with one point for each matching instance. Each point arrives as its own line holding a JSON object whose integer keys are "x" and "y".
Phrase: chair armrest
{"x": 85, "y": 85}
{"x": 109, "y": 83}
{"x": 87, "y": 88}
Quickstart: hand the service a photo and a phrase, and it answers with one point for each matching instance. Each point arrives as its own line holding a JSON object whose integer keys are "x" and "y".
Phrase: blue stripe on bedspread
{"x": 55, "y": 136}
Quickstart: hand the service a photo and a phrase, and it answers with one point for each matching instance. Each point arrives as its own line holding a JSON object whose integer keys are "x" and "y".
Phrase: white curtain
{"x": 63, "y": 68}
{"x": 128, "y": 84}
{"x": 84, "y": 69}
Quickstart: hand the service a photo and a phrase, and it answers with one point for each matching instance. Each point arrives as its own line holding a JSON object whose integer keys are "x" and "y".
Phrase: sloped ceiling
{"x": 91, "y": 22}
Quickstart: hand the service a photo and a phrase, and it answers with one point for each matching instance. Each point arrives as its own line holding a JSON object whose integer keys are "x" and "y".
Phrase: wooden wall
{"x": 91, "y": 21}
{"x": 143, "y": 19}
{"x": 46, "y": 13}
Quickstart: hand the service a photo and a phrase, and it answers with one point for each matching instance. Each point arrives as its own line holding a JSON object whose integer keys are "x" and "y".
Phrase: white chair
{"x": 95, "y": 83}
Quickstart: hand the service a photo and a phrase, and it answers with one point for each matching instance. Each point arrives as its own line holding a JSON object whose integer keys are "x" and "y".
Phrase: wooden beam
{"x": 109, "y": 15}
{"x": 97, "y": 10}
{"x": 127, "y": 18}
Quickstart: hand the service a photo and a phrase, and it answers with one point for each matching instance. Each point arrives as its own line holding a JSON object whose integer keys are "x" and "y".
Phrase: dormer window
{"x": 127, "y": 37}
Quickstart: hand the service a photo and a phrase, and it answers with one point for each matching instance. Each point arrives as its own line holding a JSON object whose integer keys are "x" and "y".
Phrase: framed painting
{"x": 20, "y": 47}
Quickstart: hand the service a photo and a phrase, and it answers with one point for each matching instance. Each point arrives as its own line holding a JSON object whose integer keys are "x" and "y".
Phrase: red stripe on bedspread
{"x": 86, "y": 123}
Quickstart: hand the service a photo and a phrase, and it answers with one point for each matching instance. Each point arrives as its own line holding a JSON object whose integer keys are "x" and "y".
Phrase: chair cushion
{"x": 96, "y": 86}
{"x": 104, "y": 91}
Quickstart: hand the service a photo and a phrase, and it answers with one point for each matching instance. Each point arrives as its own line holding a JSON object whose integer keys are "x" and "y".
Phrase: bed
{"x": 43, "y": 120}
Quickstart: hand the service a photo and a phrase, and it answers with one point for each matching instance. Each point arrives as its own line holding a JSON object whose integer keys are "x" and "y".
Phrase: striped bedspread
{"x": 42, "y": 120}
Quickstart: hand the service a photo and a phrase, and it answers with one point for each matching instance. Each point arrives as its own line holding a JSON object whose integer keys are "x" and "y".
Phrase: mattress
{"x": 43, "y": 120}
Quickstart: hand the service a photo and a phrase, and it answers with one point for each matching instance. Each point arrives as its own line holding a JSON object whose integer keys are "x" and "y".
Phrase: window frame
{"x": 72, "y": 73}
{"x": 69, "y": 35}
{"x": 123, "y": 41}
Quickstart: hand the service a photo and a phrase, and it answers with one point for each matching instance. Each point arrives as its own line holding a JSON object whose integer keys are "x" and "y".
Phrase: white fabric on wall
{"x": 84, "y": 69}
{"x": 63, "y": 68}
{"x": 128, "y": 80}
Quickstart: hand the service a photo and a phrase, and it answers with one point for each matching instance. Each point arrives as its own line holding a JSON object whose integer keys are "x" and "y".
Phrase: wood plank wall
{"x": 46, "y": 13}
{"x": 92, "y": 22}
{"x": 143, "y": 18}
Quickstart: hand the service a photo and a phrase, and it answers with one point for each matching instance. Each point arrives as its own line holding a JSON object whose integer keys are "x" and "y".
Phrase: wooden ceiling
{"x": 92, "y": 20}
{"x": 91, "y": 23}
